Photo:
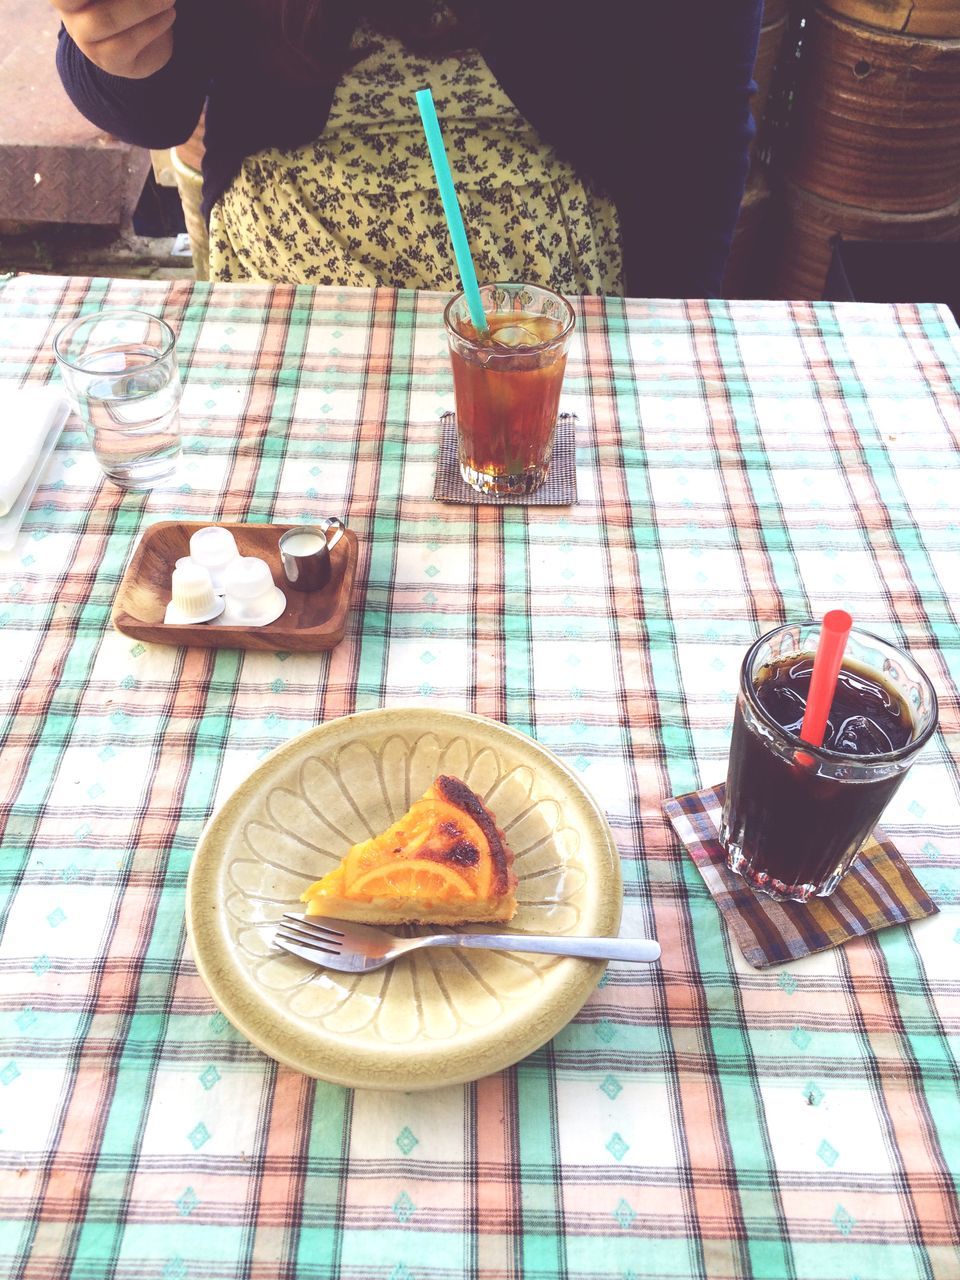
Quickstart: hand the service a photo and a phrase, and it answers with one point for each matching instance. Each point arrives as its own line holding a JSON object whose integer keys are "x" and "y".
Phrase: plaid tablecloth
{"x": 738, "y": 464}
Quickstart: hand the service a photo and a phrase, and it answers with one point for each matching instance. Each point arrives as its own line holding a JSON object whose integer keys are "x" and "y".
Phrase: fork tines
{"x": 314, "y": 924}
{"x": 318, "y": 937}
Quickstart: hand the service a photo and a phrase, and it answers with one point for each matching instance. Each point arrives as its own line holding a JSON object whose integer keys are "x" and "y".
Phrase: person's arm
{"x": 141, "y": 79}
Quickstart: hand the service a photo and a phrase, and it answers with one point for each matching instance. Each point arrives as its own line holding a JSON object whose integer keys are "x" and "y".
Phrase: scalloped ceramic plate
{"x": 437, "y": 1017}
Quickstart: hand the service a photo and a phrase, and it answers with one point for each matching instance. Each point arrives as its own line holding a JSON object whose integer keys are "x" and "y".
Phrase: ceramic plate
{"x": 437, "y": 1017}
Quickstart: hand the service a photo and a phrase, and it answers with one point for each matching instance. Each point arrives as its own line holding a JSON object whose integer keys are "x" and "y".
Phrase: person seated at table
{"x": 598, "y": 147}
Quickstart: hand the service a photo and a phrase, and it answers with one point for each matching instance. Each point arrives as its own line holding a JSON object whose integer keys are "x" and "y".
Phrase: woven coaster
{"x": 877, "y": 891}
{"x": 559, "y": 488}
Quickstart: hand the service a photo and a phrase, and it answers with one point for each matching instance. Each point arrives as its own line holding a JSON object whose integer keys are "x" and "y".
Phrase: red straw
{"x": 826, "y": 669}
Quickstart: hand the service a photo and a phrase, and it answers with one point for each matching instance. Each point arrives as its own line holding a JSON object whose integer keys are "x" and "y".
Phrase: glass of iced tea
{"x": 795, "y": 816}
{"x": 506, "y": 384}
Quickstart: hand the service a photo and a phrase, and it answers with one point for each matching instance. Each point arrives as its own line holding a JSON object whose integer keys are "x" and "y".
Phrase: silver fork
{"x": 359, "y": 948}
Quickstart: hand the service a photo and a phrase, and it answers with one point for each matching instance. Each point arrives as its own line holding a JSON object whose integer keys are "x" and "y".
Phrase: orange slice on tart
{"x": 444, "y": 862}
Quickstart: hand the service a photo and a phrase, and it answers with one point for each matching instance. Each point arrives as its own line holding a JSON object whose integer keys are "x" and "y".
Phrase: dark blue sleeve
{"x": 681, "y": 185}
{"x": 651, "y": 100}
{"x": 159, "y": 111}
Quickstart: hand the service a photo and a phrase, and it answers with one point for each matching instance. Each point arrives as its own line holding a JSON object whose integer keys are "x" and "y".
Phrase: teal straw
{"x": 451, "y": 208}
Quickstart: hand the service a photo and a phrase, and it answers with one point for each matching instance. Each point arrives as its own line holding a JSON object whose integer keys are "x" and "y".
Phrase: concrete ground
{"x": 68, "y": 191}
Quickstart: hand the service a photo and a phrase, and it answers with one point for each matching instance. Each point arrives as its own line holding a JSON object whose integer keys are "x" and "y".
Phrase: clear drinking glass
{"x": 795, "y": 816}
{"x": 506, "y": 384}
{"x": 120, "y": 372}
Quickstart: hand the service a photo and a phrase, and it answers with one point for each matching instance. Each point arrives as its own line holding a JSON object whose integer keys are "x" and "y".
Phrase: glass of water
{"x": 120, "y": 372}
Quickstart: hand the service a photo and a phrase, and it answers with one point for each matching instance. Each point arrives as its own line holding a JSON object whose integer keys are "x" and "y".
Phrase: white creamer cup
{"x": 193, "y": 598}
{"x": 216, "y": 549}
{"x": 252, "y": 597}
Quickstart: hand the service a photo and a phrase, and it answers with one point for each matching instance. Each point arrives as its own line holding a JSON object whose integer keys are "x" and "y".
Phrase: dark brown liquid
{"x": 794, "y": 826}
{"x": 867, "y": 717}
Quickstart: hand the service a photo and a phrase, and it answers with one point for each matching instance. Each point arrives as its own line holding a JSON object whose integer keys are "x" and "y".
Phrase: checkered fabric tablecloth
{"x": 737, "y": 464}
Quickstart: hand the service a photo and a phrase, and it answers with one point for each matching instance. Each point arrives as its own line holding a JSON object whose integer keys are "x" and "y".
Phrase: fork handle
{"x": 640, "y": 950}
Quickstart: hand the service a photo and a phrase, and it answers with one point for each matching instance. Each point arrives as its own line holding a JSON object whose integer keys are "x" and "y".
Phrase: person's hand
{"x": 128, "y": 38}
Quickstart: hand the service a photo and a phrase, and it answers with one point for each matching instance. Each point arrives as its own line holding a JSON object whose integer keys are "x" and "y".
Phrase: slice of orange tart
{"x": 444, "y": 862}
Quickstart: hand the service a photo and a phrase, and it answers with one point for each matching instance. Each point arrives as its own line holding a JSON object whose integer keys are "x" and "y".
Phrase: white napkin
{"x": 27, "y": 417}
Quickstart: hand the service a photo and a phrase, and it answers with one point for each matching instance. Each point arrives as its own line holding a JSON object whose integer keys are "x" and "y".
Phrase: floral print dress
{"x": 359, "y": 206}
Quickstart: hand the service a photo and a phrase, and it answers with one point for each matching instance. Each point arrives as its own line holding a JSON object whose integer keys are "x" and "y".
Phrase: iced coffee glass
{"x": 795, "y": 816}
{"x": 506, "y": 384}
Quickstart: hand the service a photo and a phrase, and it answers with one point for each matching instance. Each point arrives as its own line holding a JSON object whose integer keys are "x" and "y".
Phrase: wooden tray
{"x": 312, "y": 620}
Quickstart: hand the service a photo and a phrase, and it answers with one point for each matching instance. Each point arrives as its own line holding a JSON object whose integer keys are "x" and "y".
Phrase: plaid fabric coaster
{"x": 878, "y": 890}
{"x": 559, "y": 488}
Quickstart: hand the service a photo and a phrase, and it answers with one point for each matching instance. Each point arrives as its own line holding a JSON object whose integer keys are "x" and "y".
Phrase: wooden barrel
{"x": 909, "y": 17}
{"x": 808, "y": 227}
{"x": 747, "y": 270}
{"x": 772, "y": 33}
{"x": 876, "y": 117}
